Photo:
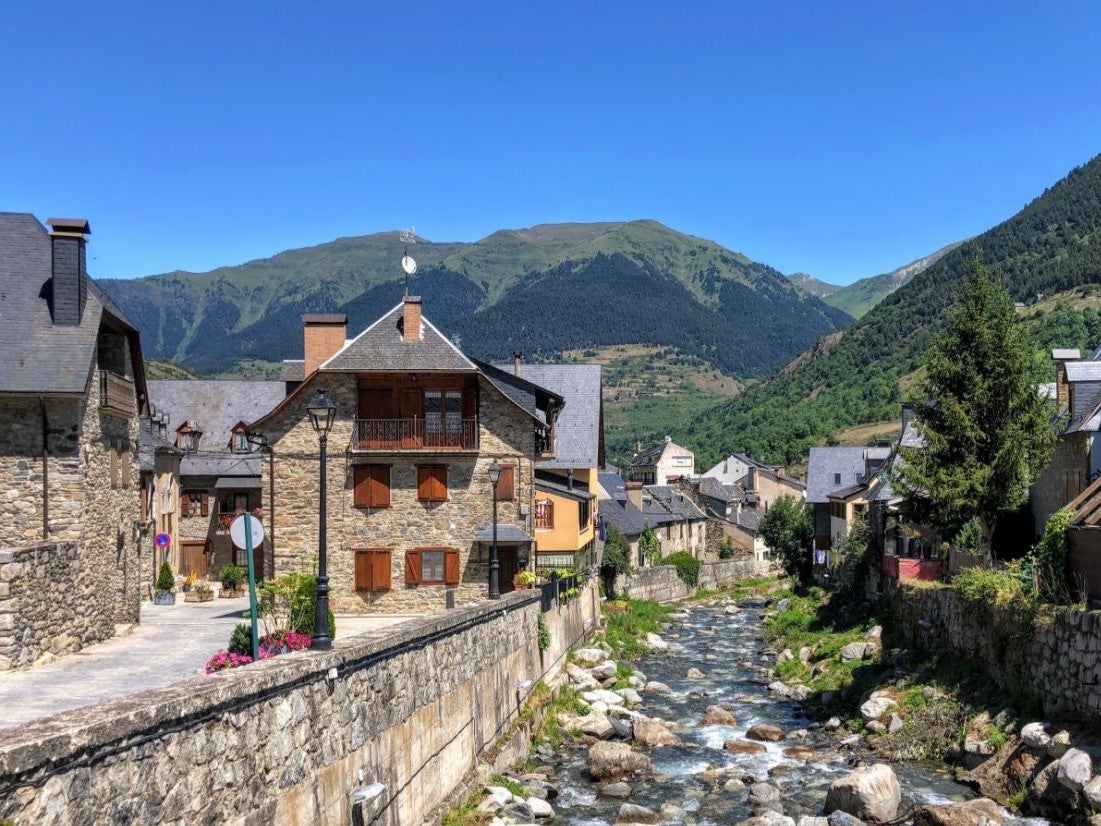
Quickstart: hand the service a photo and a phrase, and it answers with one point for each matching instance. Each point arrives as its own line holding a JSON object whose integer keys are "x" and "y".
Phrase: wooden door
{"x": 194, "y": 558}
{"x": 509, "y": 567}
{"x": 411, "y": 413}
{"x": 375, "y": 418}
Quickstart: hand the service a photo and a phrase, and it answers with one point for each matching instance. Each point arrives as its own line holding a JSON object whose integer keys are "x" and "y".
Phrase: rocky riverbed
{"x": 698, "y": 737}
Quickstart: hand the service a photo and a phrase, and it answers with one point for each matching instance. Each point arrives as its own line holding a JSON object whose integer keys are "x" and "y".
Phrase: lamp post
{"x": 322, "y": 411}
{"x": 494, "y": 566}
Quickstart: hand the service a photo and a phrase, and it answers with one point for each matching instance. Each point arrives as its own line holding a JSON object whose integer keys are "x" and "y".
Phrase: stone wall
{"x": 1056, "y": 660}
{"x": 662, "y": 584}
{"x": 412, "y": 707}
{"x": 1062, "y": 479}
{"x": 505, "y": 434}
{"x": 47, "y": 603}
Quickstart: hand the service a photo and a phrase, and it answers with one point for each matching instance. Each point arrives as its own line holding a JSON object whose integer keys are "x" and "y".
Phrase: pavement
{"x": 170, "y": 644}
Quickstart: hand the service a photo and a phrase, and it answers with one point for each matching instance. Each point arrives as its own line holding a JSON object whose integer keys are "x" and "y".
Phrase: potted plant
{"x": 200, "y": 592}
{"x": 232, "y": 578}
{"x": 164, "y": 593}
{"x": 524, "y": 579}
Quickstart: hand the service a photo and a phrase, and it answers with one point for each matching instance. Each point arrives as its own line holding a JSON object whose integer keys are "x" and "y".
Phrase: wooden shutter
{"x": 372, "y": 486}
{"x": 450, "y": 566}
{"x": 412, "y": 567}
{"x": 363, "y": 570}
{"x": 380, "y": 571}
{"x": 205, "y": 504}
{"x": 506, "y": 485}
{"x": 432, "y": 483}
{"x": 185, "y": 504}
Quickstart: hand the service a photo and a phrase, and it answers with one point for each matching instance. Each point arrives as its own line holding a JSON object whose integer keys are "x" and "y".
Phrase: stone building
{"x": 71, "y": 390}
{"x": 662, "y": 463}
{"x": 632, "y": 507}
{"x": 409, "y": 502}
{"x": 219, "y": 468}
{"x": 159, "y": 464}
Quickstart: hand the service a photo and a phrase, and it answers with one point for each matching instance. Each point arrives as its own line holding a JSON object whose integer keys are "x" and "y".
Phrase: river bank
{"x": 698, "y": 732}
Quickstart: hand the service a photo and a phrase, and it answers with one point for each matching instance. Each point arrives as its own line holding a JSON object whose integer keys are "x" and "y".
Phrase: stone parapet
{"x": 662, "y": 584}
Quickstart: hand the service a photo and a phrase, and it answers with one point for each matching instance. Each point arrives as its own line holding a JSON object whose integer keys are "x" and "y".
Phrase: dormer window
{"x": 238, "y": 441}
{"x": 187, "y": 437}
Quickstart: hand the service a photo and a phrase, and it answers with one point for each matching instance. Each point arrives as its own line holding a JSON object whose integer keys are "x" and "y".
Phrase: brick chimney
{"x": 634, "y": 494}
{"x": 411, "y": 318}
{"x": 1062, "y": 386}
{"x": 68, "y": 237}
{"x": 323, "y": 335}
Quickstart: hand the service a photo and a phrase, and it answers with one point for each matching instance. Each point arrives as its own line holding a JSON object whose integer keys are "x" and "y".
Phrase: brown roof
{"x": 1086, "y": 506}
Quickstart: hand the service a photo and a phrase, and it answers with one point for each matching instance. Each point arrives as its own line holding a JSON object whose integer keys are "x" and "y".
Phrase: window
{"x": 506, "y": 485}
{"x": 372, "y": 570}
{"x": 443, "y": 412}
{"x": 584, "y": 515}
{"x": 432, "y": 483}
{"x": 372, "y": 486}
{"x": 837, "y": 478}
{"x": 238, "y": 442}
{"x": 544, "y": 513}
{"x": 194, "y": 503}
{"x": 432, "y": 566}
{"x": 187, "y": 437}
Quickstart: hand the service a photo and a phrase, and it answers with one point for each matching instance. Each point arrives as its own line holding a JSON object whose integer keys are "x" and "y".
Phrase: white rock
{"x": 540, "y": 808}
{"x": 732, "y": 609}
{"x": 589, "y": 656}
{"x": 499, "y": 795}
{"x": 832, "y": 724}
{"x": 875, "y": 634}
{"x": 785, "y": 656}
{"x": 629, "y": 695}
{"x": 855, "y": 651}
{"x": 1059, "y": 744}
{"x": 694, "y": 674}
{"x": 870, "y": 793}
{"x": 657, "y": 688}
{"x": 1034, "y": 736}
{"x": 1092, "y": 792}
{"x": 655, "y": 643}
{"x": 1075, "y": 769}
{"x": 805, "y": 654}
{"x": 603, "y": 671}
{"x": 894, "y": 724}
{"x": 602, "y": 695}
{"x": 875, "y": 708}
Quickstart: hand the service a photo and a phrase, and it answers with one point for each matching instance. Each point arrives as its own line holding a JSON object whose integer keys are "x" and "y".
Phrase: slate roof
{"x": 825, "y": 462}
{"x": 39, "y": 357}
{"x": 1083, "y": 370}
{"x": 714, "y": 489}
{"x": 748, "y": 518}
{"x": 293, "y": 370}
{"x": 651, "y": 455}
{"x": 150, "y": 442}
{"x": 612, "y": 483}
{"x": 381, "y": 347}
{"x": 506, "y": 532}
{"x": 527, "y": 395}
{"x": 577, "y": 433}
{"x": 628, "y": 521}
{"x": 675, "y": 502}
{"x": 215, "y": 407}
{"x": 578, "y": 492}
{"x": 1072, "y": 353}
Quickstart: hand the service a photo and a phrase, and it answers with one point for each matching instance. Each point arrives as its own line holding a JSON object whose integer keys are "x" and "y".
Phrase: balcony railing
{"x": 116, "y": 393}
{"x": 416, "y": 434}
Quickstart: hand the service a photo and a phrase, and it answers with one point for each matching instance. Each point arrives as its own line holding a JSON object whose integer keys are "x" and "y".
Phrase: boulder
{"x": 589, "y": 656}
{"x": 856, "y": 651}
{"x": 694, "y": 674}
{"x": 785, "y": 656}
{"x": 744, "y": 747}
{"x": 840, "y": 818}
{"x": 1034, "y": 736}
{"x": 619, "y": 790}
{"x": 540, "y": 809}
{"x": 732, "y": 609}
{"x": 876, "y": 707}
{"x": 655, "y": 643}
{"x": 630, "y": 813}
{"x": 832, "y": 724}
{"x": 804, "y": 753}
{"x": 765, "y": 796}
{"x": 805, "y": 654}
{"x": 608, "y": 760}
{"x": 602, "y": 695}
{"x": 629, "y": 695}
{"x": 979, "y": 746}
{"x": 576, "y": 673}
{"x": 604, "y": 671}
{"x": 520, "y": 810}
{"x": 807, "y": 820}
{"x": 1075, "y": 770}
{"x": 1092, "y": 792}
{"x": 652, "y": 732}
{"x": 595, "y": 724}
{"x": 976, "y": 812}
{"x": 875, "y": 634}
{"x": 763, "y": 731}
{"x": 657, "y": 688}
{"x": 780, "y": 689}
{"x": 894, "y": 724}
{"x": 498, "y": 796}
{"x": 769, "y": 818}
{"x": 718, "y": 716}
{"x": 1049, "y": 792}
{"x": 871, "y": 793}
{"x": 623, "y": 729}
{"x": 1059, "y": 744}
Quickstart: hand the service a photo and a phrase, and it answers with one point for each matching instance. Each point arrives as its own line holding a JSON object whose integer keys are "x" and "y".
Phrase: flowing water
{"x": 727, "y": 650}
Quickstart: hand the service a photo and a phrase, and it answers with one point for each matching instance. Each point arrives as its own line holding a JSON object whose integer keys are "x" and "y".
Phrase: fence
{"x": 550, "y": 592}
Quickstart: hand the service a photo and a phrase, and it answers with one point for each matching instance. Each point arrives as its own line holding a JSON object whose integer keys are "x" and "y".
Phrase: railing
{"x": 116, "y": 393}
{"x": 550, "y": 592}
{"x": 416, "y": 434}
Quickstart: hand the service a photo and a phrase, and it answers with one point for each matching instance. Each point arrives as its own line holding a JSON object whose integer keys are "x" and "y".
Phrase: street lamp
{"x": 322, "y": 411}
{"x": 494, "y": 566}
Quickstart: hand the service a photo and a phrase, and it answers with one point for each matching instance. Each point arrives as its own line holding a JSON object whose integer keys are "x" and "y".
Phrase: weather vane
{"x": 408, "y": 236}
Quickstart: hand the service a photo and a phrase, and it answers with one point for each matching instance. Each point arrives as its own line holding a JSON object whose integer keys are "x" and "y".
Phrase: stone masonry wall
{"x": 412, "y": 707}
{"x": 1057, "y": 660}
{"x": 505, "y": 434}
{"x": 1070, "y": 456}
{"x": 662, "y": 584}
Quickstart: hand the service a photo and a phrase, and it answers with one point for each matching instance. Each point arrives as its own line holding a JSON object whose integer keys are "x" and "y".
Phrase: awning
{"x": 506, "y": 532}
{"x": 238, "y": 483}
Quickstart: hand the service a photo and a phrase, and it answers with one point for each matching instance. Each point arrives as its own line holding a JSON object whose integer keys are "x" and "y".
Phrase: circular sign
{"x": 162, "y": 540}
{"x": 408, "y": 264}
{"x": 237, "y": 530}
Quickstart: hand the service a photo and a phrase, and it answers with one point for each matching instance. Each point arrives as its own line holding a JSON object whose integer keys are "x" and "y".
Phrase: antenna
{"x": 408, "y": 236}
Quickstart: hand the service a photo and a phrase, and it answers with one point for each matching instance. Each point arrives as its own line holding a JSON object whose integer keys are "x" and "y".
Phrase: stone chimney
{"x": 515, "y": 363}
{"x": 1062, "y": 386}
{"x": 323, "y": 335}
{"x": 634, "y": 494}
{"x": 751, "y": 480}
{"x": 68, "y": 237}
{"x": 411, "y": 318}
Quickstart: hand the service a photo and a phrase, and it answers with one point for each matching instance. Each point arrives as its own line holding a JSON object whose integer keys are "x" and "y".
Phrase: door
{"x": 509, "y": 567}
{"x": 194, "y": 558}
{"x": 411, "y": 413}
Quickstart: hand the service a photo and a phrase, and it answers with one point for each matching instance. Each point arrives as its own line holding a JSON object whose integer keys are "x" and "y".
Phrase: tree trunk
{"x": 987, "y": 541}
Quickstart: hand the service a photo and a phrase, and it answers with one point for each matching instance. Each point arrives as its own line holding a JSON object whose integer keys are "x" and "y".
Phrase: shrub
{"x": 232, "y": 576}
{"x": 225, "y": 659}
{"x": 650, "y": 546}
{"x": 617, "y": 551}
{"x": 165, "y": 580}
{"x": 982, "y": 589}
{"x": 1049, "y": 560}
{"x": 289, "y": 603}
{"x": 726, "y": 548}
{"x": 688, "y": 567}
{"x": 240, "y": 641}
{"x": 543, "y": 634}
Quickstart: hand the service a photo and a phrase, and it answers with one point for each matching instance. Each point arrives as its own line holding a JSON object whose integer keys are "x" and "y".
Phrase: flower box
{"x": 198, "y": 596}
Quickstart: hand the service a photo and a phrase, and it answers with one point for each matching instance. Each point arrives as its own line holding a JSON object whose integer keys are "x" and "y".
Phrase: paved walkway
{"x": 172, "y": 643}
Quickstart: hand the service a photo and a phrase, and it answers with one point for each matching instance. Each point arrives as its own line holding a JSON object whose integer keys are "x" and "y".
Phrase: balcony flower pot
{"x": 164, "y": 597}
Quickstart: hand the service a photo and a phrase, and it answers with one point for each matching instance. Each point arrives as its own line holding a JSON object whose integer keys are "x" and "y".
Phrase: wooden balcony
{"x": 426, "y": 435}
{"x": 116, "y": 394}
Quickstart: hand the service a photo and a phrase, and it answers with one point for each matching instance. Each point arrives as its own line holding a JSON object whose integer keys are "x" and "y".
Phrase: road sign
{"x": 162, "y": 540}
{"x": 237, "y": 531}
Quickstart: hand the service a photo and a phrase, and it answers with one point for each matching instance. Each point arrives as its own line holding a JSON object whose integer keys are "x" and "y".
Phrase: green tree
{"x": 617, "y": 551}
{"x": 788, "y": 532}
{"x": 987, "y": 430}
{"x": 650, "y": 546}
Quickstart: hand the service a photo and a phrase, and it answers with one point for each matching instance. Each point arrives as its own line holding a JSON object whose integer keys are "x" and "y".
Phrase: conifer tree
{"x": 987, "y": 430}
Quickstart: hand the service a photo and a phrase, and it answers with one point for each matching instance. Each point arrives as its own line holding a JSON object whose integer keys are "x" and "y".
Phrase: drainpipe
{"x": 45, "y": 470}
{"x": 271, "y": 505}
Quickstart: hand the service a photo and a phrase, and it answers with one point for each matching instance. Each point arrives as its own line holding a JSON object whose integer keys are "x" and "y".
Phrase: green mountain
{"x": 853, "y": 377}
{"x": 540, "y": 291}
{"x": 860, "y": 296}
{"x": 816, "y": 287}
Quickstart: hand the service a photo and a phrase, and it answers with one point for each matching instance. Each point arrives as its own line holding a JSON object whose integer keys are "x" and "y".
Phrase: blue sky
{"x": 840, "y": 139}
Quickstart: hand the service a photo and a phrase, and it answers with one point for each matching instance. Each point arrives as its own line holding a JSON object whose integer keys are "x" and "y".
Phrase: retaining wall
{"x": 412, "y": 708}
{"x": 1055, "y": 660}
{"x": 662, "y": 584}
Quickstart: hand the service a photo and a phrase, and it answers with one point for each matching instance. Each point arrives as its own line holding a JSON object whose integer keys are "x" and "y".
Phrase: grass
{"x": 466, "y": 813}
{"x": 752, "y": 587}
{"x": 627, "y": 621}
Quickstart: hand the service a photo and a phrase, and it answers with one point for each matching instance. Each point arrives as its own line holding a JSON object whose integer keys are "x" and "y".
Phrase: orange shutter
{"x": 205, "y": 504}
{"x": 185, "y": 504}
{"x": 380, "y": 571}
{"x": 363, "y": 570}
{"x": 424, "y": 480}
{"x": 432, "y": 483}
{"x": 506, "y": 485}
{"x": 380, "y": 486}
{"x": 451, "y": 566}
{"x": 412, "y": 567}
{"x": 361, "y": 495}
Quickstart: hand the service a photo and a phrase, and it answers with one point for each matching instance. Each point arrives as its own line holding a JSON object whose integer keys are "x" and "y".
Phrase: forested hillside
{"x": 852, "y": 377}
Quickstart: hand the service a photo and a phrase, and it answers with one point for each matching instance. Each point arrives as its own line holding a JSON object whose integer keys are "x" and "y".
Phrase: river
{"x": 723, "y": 647}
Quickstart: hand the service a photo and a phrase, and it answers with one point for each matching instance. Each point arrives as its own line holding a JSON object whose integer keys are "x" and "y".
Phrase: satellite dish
{"x": 408, "y": 264}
